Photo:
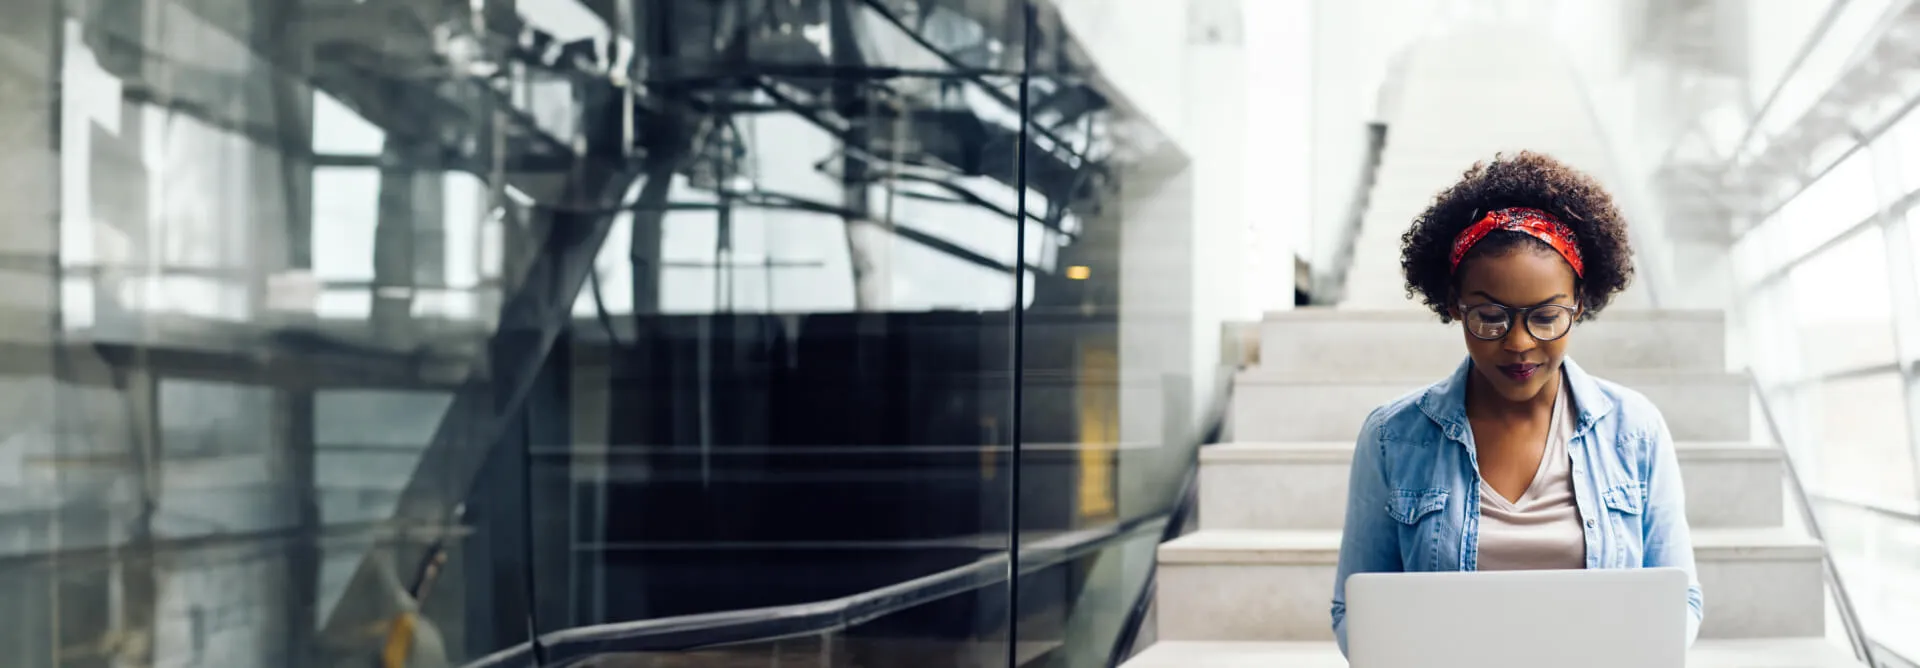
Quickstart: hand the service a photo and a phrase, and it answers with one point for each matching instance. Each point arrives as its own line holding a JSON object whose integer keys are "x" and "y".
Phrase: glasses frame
{"x": 1573, "y": 315}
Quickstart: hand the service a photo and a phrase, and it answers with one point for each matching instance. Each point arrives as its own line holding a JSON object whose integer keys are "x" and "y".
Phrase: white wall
{"x": 1187, "y": 66}
{"x": 1277, "y": 163}
{"x": 1214, "y": 139}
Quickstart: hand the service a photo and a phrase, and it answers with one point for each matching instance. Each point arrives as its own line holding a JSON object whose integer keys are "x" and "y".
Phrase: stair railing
{"x": 579, "y": 645}
{"x": 1849, "y": 616}
{"x": 1633, "y": 199}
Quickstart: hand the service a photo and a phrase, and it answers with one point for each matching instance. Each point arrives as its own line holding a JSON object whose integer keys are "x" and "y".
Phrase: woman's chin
{"x": 1521, "y": 393}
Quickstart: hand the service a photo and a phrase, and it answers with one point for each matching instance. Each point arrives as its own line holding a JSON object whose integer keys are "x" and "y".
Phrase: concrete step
{"x": 1276, "y": 585}
{"x": 1757, "y": 653}
{"x": 1281, "y": 407}
{"x": 1378, "y": 297}
{"x": 1345, "y": 343}
{"x": 1285, "y": 486}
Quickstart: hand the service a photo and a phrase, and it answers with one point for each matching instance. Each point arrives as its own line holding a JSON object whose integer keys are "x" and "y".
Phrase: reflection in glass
{"x": 1877, "y": 554}
{"x": 348, "y": 333}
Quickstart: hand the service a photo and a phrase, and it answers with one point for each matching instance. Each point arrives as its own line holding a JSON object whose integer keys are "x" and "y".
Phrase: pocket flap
{"x": 1626, "y": 498}
{"x": 1409, "y": 505}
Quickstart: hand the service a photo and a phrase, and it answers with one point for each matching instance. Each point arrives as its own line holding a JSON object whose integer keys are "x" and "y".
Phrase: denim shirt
{"x": 1413, "y": 501}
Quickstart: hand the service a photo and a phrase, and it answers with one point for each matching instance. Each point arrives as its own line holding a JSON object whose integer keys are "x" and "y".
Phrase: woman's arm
{"x": 1668, "y": 540}
{"x": 1370, "y": 543}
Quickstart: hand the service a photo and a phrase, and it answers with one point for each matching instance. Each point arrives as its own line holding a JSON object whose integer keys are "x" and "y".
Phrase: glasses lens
{"x": 1487, "y": 321}
{"x": 1547, "y": 323}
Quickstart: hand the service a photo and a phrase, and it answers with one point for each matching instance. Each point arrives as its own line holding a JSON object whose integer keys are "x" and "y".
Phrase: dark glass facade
{"x": 650, "y": 332}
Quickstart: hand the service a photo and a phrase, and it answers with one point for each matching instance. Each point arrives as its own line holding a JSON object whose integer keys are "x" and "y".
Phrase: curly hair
{"x": 1527, "y": 179}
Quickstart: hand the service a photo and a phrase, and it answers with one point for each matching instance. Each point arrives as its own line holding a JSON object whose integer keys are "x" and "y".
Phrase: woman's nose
{"x": 1518, "y": 340}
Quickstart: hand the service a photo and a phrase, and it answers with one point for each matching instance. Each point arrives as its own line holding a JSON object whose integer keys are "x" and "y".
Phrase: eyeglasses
{"x": 1491, "y": 322}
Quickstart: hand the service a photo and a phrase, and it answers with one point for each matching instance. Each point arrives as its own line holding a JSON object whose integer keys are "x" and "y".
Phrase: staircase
{"x": 1463, "y": 97}
{"x": 1252, "y": 586}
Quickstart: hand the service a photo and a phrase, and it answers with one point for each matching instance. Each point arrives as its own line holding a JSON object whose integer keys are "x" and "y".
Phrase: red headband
{"x": 1531, "y": 222}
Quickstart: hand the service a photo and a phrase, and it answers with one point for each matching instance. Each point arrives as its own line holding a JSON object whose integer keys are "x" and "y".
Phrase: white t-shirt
{"x": 1540, "y": 530}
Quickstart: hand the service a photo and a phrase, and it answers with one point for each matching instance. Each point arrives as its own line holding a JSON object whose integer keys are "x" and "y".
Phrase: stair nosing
{"x": 1322, "y": 451}
{"x": 1322, "y": 546}
{"x": 1317, "y": 315}
{"x": 1411, "y": 381}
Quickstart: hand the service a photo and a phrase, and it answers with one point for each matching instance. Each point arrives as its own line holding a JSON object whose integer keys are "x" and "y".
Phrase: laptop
{"x": 1518, "y": 619}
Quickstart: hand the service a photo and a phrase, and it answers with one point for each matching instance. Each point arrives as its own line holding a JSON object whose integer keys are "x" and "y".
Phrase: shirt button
{"x": 1589, "y": 524}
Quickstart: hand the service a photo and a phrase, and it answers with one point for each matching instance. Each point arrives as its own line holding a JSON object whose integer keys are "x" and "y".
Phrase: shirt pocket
{"x": 1409, "y": 505}
{"x": 1626, "y": 505}
{"x": 1418, "y": 512}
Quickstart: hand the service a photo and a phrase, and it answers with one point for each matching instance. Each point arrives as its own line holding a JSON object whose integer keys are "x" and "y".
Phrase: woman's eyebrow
{"x": 1543, "y": 302}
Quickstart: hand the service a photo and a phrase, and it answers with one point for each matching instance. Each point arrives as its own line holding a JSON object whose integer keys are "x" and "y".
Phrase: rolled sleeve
{"x": 1369, "y": 543}
{"x": 1668, "y": 539}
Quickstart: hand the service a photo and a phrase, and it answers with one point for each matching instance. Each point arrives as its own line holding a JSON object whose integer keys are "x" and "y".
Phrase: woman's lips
{"x": 1519, "y": 371}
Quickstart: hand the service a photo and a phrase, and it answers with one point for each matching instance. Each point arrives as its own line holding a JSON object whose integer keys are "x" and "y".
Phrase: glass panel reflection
{"x": 396, "y": 333}
{"x": 1878, "y": 553}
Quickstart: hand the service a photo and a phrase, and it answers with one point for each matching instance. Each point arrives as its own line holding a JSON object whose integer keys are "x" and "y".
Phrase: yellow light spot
{"x": 399, "y": 644}
{"x": 1099, "y": 408}
{"x": 1079, "y": 272}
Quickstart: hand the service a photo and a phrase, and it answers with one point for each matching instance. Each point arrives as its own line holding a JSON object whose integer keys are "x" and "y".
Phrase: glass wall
{"x": 400, "y": 333}
{"x": 1830, "y": 305}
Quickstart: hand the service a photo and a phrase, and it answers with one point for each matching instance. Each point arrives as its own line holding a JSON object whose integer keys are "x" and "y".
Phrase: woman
{"x": 1519, "y": 460}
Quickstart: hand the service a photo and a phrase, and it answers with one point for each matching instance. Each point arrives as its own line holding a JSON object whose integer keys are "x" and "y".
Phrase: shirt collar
{"x": 1445, "y": 402}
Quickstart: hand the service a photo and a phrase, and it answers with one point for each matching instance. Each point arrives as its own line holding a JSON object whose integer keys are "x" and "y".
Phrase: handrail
{"x": 1331, "y": 284}
{"x": 1897, "y": 514}
{"x": 566, "y": 646}
{"x": 1849, "y": 616}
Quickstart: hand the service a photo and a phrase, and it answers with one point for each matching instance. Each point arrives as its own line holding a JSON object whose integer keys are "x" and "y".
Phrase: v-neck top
{"x": 1413, "y": 503}
{"x": 1541, "y": 529}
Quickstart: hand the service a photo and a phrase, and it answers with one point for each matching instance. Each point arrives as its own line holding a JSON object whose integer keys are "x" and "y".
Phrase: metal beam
{"x": 192, "y": 550}
{"x": 139, "y": 576}
{"x": 968, "y": 73}
{"x": 530, "y": 323}
{"x": 1879, "y": 82}
{"x": 771, "y": 199}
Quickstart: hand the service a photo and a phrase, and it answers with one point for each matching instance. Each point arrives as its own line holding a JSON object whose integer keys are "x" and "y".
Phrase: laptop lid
{"x": 1518, "y": 619}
